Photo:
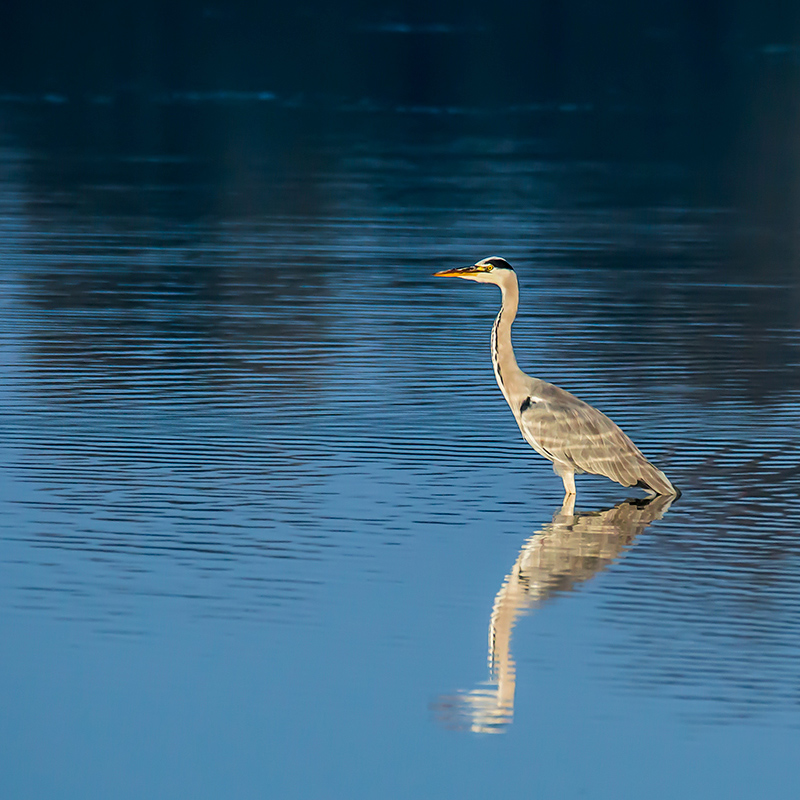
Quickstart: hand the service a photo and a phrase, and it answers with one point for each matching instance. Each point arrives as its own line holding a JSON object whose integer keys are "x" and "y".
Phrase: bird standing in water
{"x": 572, "y": 434}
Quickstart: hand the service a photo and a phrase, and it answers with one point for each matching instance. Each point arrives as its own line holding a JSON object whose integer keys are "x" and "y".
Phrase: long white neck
{"x": 506, "y": 370}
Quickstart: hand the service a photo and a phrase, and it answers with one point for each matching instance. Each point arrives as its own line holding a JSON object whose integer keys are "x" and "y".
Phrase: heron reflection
{"x": 569, "y": 550}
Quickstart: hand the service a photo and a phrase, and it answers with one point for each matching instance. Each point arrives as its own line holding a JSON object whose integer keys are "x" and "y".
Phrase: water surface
{"x": 262, "y": 500}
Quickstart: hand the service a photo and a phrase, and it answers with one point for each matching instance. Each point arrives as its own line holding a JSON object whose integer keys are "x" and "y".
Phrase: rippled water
{"x": 262, "y": 500}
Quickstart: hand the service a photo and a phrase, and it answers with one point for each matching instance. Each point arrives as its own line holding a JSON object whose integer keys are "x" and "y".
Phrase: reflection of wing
{"x": 569, "y": 550}
{"x": 572, "y": 433}
{"x": 574, "y": 547}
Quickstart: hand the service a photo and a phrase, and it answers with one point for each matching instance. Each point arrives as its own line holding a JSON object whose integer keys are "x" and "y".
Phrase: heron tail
{"x": 654, "y": 480}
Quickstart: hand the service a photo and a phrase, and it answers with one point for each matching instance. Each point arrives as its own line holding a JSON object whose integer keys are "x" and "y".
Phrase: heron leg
{"x": 568, "y": 505}
{"x": 568, "y": 476}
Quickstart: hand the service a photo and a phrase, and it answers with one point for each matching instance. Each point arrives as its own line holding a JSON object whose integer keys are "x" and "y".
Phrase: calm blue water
{"x": 267, "y": 527}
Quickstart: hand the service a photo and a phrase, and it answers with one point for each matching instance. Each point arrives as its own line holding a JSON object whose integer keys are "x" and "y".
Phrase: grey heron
{"x": 575, "y": 436}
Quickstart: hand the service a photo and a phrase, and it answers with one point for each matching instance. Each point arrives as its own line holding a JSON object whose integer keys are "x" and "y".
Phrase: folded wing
{"x": 577, "y": 436}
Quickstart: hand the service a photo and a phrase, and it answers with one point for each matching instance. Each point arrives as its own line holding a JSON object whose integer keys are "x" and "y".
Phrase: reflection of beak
{"x": 458, "y": 272}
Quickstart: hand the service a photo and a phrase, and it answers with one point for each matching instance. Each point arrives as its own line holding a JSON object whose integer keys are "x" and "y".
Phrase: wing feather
{"x": 573, "y": 433}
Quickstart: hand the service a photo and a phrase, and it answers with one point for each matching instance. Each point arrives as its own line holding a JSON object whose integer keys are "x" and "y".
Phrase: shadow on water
{"x": 571, "y": 549}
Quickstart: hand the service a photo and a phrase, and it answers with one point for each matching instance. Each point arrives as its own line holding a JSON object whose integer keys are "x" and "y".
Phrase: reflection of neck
{"x": 505, "y": 365}
{"x": 510, "y": 602}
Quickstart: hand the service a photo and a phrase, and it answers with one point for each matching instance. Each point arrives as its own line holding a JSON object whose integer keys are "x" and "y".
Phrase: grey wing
{"x": 575, "y": 434}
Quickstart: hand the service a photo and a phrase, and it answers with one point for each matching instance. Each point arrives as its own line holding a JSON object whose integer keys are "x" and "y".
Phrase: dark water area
{"x": 267, "y": 527}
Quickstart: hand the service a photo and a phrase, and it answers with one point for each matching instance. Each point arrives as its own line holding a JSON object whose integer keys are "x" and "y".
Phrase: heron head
{"x": 488, "y": 270}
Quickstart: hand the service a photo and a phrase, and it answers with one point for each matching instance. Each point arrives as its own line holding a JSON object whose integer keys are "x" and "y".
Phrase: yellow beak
{"x": 457, "y": 272}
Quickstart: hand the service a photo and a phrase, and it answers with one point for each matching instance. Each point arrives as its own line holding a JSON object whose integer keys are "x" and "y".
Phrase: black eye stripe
{"x": 494, "y": 262}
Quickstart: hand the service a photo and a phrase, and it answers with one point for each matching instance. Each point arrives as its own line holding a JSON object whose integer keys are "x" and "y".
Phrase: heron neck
{"x": 505, "y": 365}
